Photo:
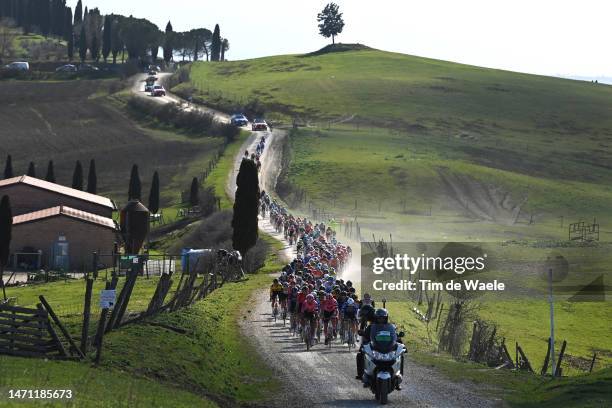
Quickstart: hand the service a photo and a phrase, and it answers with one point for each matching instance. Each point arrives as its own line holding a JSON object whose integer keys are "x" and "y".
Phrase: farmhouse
{"x": 65, "y": 238}
{"x": 30, "y": 194}
{"x": 56, "y": 227}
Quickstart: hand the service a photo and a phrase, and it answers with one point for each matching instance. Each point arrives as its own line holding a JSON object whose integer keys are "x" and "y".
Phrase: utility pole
{"x": 552, "y": 323}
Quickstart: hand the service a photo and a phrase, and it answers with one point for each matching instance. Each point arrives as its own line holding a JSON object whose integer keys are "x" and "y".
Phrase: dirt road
{"x": 324, "y": 377}
{"x": 138, "y": 90}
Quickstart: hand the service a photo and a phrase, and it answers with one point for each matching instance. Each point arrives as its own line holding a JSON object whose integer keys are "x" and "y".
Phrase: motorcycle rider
{"x": 366, "y": 311}
{"x": 380, "y": 323}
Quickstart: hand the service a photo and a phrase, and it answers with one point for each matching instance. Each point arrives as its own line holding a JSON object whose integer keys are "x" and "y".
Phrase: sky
{"x": 571, "y": 38}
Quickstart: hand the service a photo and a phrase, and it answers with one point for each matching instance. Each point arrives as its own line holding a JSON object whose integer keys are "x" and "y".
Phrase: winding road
{"x": 322, "y": 377}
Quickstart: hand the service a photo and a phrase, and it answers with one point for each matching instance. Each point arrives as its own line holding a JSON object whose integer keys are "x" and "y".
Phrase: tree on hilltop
{"x": 330, "y": 21}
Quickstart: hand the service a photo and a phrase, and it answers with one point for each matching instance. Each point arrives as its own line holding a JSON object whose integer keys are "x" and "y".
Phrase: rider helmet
{"x": 381, "y": 316}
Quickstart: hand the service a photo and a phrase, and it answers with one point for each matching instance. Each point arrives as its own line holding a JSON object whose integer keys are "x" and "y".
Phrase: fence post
{"x": 546, "y": 359}
{"x": 100, "y": 332}
{"x": 86, "y": 315}
{"x": 95, "y": 265}
{"x": 61, "y": 326}
{"x": 592, "y": 363}
{"x": 558, "y": 369}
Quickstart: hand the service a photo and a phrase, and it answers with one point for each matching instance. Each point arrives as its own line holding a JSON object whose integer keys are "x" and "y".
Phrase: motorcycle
{"x": 383, "y": 369}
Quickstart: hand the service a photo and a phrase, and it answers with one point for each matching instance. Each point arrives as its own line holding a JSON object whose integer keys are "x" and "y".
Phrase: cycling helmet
{"x": 330, "y": 279}
{"x": 381, "y": 316}
{"x": 350, "y": 301}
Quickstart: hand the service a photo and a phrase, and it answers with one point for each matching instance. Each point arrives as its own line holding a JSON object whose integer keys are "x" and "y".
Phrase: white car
{"x": 67, "y": 68}
{"x": 18, "y": 66}
{"x": 158, "y": 90}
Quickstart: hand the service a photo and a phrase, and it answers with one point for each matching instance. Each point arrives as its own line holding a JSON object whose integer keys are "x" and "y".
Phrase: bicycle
{"x": 350, "y": 333}
{"x": 328, "y": 335}
{"x": 293, "y": 324}
{"x": 284, "y": 314}
{"x": 275, "y": 311}
{"x": 307, "y": 335}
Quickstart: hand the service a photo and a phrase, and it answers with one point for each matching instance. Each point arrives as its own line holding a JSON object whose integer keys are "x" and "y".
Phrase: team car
{"x": 158, "y": 90}
{"x": 259, "y": 124}
{"x": 239, "y": 120}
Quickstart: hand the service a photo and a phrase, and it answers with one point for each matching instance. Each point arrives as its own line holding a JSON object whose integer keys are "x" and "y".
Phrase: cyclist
{"x": 329, "y": 307}
{"x": 310, "y": 311}
{"x": 349, "y": 314}
{"x": 366, "y": 311}
{"x": 283, "y": 295}
{"x": 276, "y": 289}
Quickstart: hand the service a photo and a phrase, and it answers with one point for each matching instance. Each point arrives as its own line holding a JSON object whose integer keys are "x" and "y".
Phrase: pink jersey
{"x": 329, "y": 305}
{"x": 310, "y": 306}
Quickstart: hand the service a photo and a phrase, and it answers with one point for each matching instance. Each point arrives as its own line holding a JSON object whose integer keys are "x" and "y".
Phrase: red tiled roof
{"x": 57, "y": 188}
{"x": 66, "y": 211}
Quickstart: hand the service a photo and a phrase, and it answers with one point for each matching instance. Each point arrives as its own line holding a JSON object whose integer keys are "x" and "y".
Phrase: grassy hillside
{"x": 420, "y": 136}
{"x": 69, "y": 121}
{"x": 147, "y": 365}
{"x": 509, "y": 117}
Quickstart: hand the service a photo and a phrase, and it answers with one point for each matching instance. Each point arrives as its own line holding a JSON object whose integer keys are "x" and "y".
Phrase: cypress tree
{"x": 168, "y": 40}
{"x": 83, "y": 44}
{"x": 6, "y": 226}
{"x": 8, "y": 167}
{"x": 95, "y": 48}
{"x": 194, "y": 192}
{"x": 32, "y": 170}
{"x": 45, "y": 18}
{"x": 154, "y": 194}
{"x": 78, "y": 13}
{"x": 77, "y": 176}
{"x": 50, "y": 172}
{"x": 246, "y": 207}
{"x": 70, "y": 47}
{"x": 134, "y": 192}
{"x": 68, "y": 33}
{"x": 215, "y": 47}
{"x": 92, "y": 178}
{"x": 107, "y": 39}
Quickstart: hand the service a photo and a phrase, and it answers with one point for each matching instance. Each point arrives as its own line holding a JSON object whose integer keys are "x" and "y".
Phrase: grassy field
{"x": 69, "y": 121}
{"x": 147, "y": 365}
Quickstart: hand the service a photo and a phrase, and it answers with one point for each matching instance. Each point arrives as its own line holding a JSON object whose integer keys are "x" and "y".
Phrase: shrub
{"x": 194, "y": 122}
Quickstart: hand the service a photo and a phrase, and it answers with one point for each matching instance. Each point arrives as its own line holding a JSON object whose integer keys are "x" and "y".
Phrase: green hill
{"x": 413, "y": 133}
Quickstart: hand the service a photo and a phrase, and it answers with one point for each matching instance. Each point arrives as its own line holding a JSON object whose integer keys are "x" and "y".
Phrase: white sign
{"x": 107, "y": 299}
